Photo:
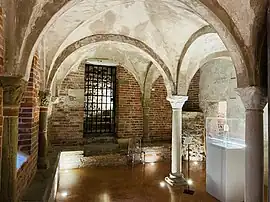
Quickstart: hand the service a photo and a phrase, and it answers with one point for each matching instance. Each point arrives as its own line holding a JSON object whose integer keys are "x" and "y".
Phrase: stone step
{"x": 101, "y": 149}
{"x": 102, "y": 139}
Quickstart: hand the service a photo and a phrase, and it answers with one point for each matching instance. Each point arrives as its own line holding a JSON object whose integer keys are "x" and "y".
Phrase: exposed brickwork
{"x": 129, "y": 105}
{"x": 1, "y": 41}
{"x": 160, "y": 113}
{"x": 193, "y": 103}
{"x": 26, "y": 173}
{"x": 66, "y": 120}
{"x": 1, "y": 70}
{"x": 29, "y": 111}
{"x": 1, "y": 124}
{"x": 28, "y": 127}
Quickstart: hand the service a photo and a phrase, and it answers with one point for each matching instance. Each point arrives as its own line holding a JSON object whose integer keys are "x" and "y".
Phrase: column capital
{"x": 177, "y": 101}
{"x": 44, "y": 97}
{"x": 253, "y": 98}
{"x": 13, "y": 89}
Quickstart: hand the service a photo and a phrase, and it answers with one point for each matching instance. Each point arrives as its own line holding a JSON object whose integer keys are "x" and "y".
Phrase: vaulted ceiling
{"x": 168, "y": 34}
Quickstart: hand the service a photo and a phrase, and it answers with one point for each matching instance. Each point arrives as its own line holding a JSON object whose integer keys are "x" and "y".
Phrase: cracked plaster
{"x": 163, "y": 25}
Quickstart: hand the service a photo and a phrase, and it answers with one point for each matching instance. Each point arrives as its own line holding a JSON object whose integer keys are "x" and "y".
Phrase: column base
{"x": 176, "y": 180}
{"x": 43, "y": 163}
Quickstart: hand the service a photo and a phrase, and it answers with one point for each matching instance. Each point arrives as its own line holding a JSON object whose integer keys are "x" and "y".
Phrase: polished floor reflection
{"x": 143, "y": 183}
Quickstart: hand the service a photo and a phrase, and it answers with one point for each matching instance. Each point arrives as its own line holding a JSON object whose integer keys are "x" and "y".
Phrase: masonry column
{"x": 13, "y": 88}
{"x": 176, "y": 177}
{"x": 254, "y": 101}
{"x": 146, "y": 109}
{"x": 43, "y": 162}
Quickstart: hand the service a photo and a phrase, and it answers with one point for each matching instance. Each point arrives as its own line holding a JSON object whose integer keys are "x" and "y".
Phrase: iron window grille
{"x": 99, "y": 100}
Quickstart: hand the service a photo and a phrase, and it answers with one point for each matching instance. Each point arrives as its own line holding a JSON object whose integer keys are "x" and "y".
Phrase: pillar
{"x": 146, "y": 109}
{"x": 254, "y": 101}
{"x": 43, "y": 162}
{"x": 13, "y": 88}
{"x": 176, "y": 177}
{"x": 268, "y": 68}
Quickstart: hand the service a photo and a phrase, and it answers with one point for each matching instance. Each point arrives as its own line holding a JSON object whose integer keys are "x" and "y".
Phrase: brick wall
{"x": 160, "y": 113}
{"x": 1, "y": 41}
{"x": 66, "y": 120}
{"x": 1, "y": 70}
{"x": 193, "y": 103}
{"x": 29, "y": 126}
{"x": 128, "y": 105}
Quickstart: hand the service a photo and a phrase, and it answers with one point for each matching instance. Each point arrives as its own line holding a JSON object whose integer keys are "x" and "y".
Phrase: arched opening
{"x": 166, "y": 52}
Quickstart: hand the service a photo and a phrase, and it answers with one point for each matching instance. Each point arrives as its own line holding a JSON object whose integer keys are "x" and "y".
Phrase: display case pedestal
{"x": 225, "y": 171}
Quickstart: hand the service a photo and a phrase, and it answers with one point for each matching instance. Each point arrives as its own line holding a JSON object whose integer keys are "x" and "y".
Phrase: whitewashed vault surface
{"x": 164, "y": 26}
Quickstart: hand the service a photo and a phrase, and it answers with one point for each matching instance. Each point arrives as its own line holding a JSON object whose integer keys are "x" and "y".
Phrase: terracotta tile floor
{"x": 124, "y": 184}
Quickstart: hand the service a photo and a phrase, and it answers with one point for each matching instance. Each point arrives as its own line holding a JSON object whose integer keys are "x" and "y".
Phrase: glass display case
{"x": 225, "y": 158}
{"x": 226, "y": 132}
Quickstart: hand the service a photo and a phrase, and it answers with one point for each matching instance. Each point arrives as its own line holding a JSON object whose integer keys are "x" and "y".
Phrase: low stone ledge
{"x": 44, "y": 185}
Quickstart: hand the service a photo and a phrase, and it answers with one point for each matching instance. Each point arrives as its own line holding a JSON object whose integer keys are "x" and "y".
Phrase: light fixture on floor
{"x": 162, "y": 184}
{"x": 189, "y": 181}
{"x": 188, "y": 190}
{"x": 64, "y": 194}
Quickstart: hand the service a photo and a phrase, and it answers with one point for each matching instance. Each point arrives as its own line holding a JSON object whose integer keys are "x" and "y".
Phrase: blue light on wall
{"x": 21, "y": 159}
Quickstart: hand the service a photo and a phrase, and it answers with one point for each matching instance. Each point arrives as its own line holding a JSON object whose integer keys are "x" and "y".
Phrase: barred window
{"x": 99, "y": 100}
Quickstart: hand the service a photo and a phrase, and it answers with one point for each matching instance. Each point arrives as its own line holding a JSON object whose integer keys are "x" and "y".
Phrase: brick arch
{"x": 165, "y": 71}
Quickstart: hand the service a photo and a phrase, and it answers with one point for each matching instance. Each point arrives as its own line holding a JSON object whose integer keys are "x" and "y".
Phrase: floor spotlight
{"x": 162, "y": 184}
{"x": 188, "y": 190}
{"x": 189, "y": 181}
{"x": 64, "y": 194}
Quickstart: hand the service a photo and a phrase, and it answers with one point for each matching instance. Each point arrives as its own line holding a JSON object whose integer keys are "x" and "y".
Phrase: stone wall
{"x": 193, "y": 102}
{"x": 193, "y": 126}
{"x": 160, "y": 113}
{"x": 218, "y": 83}
{"x": 29, "y": 127}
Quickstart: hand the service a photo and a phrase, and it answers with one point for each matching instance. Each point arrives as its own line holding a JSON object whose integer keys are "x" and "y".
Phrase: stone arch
{"x": 210, "y": 57}
{"x": 209, "y": 10}
{"x": 204, "y": 30}
{"x": 165, "y": 71}
{"x": 243, "y": 60}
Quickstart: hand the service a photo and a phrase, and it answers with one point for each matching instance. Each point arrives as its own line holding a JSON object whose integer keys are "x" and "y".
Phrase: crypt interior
{"x": 124, "y": 100}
